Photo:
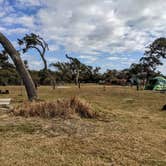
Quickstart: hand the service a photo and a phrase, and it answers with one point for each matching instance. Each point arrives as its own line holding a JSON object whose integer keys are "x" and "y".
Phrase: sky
{"x": 111, "y": 34}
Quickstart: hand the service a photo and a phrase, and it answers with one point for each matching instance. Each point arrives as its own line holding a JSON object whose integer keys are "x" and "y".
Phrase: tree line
{"x": 72, "y": 71}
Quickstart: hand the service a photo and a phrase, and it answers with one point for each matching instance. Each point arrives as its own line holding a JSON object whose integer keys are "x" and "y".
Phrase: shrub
{"x": 60, "y": 108}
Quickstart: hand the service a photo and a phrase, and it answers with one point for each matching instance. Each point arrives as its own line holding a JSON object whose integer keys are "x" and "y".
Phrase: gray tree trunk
{"x": 20, "y": 67}
{"x": 77, "y": 78}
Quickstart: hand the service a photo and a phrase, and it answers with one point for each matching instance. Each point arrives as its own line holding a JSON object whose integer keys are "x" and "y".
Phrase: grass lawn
{"x": 131, "y": 130}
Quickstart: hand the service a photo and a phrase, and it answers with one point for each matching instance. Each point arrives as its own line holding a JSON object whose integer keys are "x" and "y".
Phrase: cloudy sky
{"x": 106, "y": 33}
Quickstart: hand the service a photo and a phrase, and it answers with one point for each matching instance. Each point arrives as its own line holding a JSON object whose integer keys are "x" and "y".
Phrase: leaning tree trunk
{"x": 20, "y": 67}
{"x": 53, "y": 81}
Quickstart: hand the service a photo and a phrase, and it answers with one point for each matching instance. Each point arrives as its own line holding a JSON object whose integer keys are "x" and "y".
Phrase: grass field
{"x": 131, "y": 130}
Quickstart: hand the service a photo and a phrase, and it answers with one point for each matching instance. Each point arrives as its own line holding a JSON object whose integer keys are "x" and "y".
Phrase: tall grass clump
{"x": 59, "y": 108}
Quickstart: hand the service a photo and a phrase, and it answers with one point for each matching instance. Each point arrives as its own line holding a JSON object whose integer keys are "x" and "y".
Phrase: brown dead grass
{"x": 131, "y": 130}
{"x": 53, "y": 109}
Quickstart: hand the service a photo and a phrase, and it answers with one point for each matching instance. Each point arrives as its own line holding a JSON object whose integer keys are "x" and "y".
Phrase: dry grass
{"x": 131, "y": 130}
{"x": 54, "y": 109}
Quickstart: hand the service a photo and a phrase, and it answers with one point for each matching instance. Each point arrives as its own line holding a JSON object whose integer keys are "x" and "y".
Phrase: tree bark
{"x": 53, "y": 81}
{"x": 77, "y": 78}
{"x": 45, "y": 64}
{"x": 20, "y": 67}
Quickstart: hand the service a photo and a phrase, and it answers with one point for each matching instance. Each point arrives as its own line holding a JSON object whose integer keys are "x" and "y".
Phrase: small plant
{"x": 60, "y": 108}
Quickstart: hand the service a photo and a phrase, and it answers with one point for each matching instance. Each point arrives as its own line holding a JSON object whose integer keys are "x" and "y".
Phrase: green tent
{"x": 157, "y": 83}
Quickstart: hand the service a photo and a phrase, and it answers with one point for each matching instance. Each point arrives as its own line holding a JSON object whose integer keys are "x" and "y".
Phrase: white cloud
{"x": 24, "y": 20}
{"x": 33, "y": 61}
{"x": 53, "y": 47}
{"x": 28, "y": 3}
{"x": 5, "y": 8}
{"x": 163, "y": 67}
{"x": 88, "y": 58}
{"x": 92, "y": 28}
{"x": 85, "y": 26}
{"x": 17, "y": 31}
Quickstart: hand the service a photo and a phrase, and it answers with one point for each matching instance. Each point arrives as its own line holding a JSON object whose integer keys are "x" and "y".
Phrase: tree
{"x": 79, "y": 70}
{"x": 136, "y": 69}
{"x": 20, "y": 67}
{"x": 66, "y": 72}
{"x": 33, "y": 41}
{"x": 4, "y": 61}
{"x": 75, "y": 71}
{"x": 153, "y": 55}
{"x": 96, "y": 75}
{"x": 110, "y": 75}
{"x": 63, "y": 71}
{"x": 76, "y": 68}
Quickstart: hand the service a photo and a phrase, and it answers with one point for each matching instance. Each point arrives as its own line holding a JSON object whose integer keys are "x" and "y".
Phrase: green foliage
{"x": 154, "y": 53}
{"x": 33, "y": 41}
{"x": 9, "y": 77}
{"x": 8, "y": 74}
{"x": 67, "y": 71}
{"x": 4, "y": 61}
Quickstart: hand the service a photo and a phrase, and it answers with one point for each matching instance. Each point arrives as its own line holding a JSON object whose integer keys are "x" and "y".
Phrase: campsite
{"x": 82, "y": 83}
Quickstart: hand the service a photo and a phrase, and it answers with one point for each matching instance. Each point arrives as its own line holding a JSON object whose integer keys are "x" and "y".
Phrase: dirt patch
{"x": 63, "y": 87}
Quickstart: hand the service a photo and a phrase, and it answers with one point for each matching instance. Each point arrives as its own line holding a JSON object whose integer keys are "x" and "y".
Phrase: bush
{"x": 60, "y": 108}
